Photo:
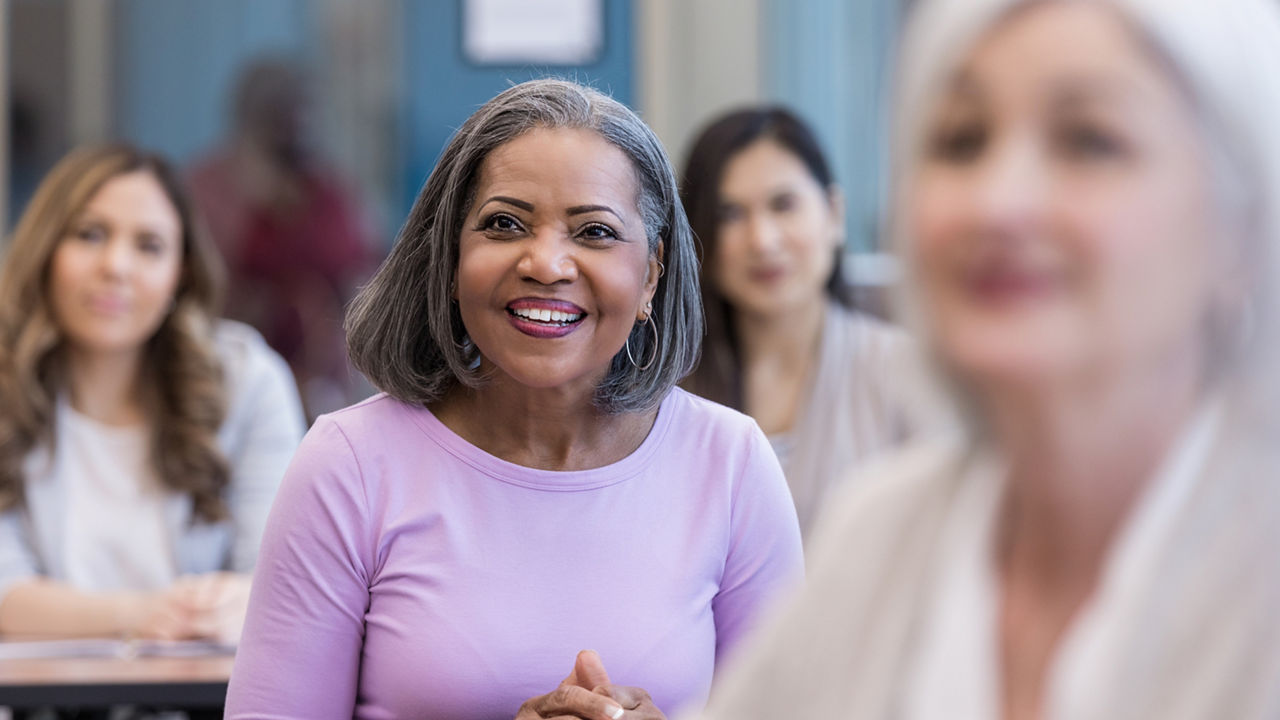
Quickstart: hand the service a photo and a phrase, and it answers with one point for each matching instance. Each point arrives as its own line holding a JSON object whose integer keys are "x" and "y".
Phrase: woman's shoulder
{"x": 258, "y": 381}
{"x": 344, "y": 447}
{"x": 244, "y": 354}
{"x": 379, "y": 422}
{"x": 690, "y": 411}
{"x": 867, "y": 331}
{"x": 704, "y": 431}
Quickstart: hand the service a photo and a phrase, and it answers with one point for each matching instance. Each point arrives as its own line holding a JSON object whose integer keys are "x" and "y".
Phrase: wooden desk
{"x": 185, "y": 683}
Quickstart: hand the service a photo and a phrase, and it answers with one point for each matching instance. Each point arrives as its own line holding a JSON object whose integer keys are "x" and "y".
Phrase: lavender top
{"x": 407, "y": 573}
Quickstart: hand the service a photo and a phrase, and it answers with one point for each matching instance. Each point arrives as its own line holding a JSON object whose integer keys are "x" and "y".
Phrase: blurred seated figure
{"x": 141, "y": 439}
{"x": 1088, "y": 205}
{"x": 290, "y": 232}
{"x": 831, "y": 386}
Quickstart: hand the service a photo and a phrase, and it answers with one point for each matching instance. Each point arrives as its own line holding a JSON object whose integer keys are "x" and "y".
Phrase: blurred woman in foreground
{"x": 141, "y": 440}
{"x": 1088, "y": 205}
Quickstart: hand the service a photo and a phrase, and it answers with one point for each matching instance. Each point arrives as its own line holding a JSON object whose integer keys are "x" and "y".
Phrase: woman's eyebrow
{"x": 526, "y": 206}
{"x": 1091, "y": 90}
{"x": 580, "y": 209}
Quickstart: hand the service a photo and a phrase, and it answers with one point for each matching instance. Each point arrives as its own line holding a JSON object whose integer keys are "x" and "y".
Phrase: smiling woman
{"x": 555, "y": 250}
{"x": 531, "y": 483}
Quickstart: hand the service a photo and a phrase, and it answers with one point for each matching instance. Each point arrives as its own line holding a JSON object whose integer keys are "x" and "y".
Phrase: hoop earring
{"x": 653, "y": 326}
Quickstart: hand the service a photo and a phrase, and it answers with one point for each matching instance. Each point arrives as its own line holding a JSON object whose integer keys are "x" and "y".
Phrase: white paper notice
{"x": 533, "y": 32}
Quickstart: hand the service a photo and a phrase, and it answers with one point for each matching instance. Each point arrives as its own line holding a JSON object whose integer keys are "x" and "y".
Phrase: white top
{"x": 953, "y": 673}
{"x": 49, "y": 535}
{"x": 116, "y": 535}
{"x": 898, "y": 618}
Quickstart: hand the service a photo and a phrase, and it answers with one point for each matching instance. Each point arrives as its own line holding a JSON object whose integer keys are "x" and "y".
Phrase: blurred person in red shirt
{"x": 291, "y": 233}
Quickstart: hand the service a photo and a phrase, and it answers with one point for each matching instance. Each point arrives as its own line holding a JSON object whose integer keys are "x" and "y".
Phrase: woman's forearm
{"x": 46, "y": 607}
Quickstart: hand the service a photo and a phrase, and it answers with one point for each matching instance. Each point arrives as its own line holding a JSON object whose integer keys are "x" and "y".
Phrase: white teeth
{"x": 544, "y": 315}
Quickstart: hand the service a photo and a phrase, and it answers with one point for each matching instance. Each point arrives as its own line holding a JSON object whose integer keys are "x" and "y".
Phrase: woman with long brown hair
{"x": 141, "y": 439}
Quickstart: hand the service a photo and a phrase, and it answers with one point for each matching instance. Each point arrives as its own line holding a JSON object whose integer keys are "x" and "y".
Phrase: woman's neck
{"x": 1080, "y": 456}
{"x": 786, "y": 338}
{"x": 106, "y": 387}
{"x": 545, "y": 429}
{"x": 779, "y": 354}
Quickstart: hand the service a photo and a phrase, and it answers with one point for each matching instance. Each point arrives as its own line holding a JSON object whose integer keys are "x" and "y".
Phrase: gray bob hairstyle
{"x": 405, "y": 333}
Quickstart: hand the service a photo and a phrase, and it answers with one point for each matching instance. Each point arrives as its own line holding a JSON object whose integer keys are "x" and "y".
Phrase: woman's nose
{"x": 548, "y": 258}
{"x": 116, "y": 256}
{"x": 763, "y": 232}
{"x": 1010, "y": 186}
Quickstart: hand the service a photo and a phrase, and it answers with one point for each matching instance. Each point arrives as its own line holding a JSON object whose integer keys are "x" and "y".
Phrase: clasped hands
{"x": 210, "y": 606}
{"x": 587, "y": 694}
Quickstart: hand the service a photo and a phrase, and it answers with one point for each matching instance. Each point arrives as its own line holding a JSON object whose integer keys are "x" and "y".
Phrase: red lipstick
{"x": 544, "y": 317}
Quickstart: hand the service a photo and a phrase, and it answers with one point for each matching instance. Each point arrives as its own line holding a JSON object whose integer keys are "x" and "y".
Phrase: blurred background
{"x": 348, "y": 103}
{"x": 391, "y": 79}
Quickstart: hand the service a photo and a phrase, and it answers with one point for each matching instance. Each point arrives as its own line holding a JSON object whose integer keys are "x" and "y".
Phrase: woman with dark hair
{"x": 141, "y": 440}
{"x": 827, "y": 384}
{"x": 530, "y": 483}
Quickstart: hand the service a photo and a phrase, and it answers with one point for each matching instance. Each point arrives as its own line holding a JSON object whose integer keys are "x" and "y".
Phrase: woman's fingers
{"x": 636, "y": 701}
{"x": 588, "y": 671}
{"x": 571, "y": 701}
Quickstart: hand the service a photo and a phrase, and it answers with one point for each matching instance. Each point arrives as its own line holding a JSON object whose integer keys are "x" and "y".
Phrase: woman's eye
{"x": 501, "y": 222}
{"x": 151, "y": 245}
{"x": 959, "y": 143}
{"x": 1086, "y": 142}
{"x": 786, "y": 202}
{"x": 729, "y": 213}
{"x": 596, "y": 232}
{"x": 90, "y": 233}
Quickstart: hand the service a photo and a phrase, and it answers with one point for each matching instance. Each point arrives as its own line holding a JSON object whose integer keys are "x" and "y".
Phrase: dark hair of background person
{"x": 270, "y": 103}
{"x": 719, "y": 376}
{"x": 186, "y": 396}
{"x": 405, "y": 333}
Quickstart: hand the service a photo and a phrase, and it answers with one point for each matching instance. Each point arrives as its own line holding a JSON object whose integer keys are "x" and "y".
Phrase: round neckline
{"x": 83, "y": 420}
{"x": 550, "y": 480}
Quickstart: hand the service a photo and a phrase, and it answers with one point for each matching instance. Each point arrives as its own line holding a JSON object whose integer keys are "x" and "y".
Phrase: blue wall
{"x": 828, "y": 60}
{"x": 176, "y": 63}
{"x": 442, "y": 88}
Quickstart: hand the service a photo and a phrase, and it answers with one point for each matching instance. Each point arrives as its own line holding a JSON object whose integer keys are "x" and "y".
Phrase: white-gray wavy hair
{"x": 1226, "y": 55}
